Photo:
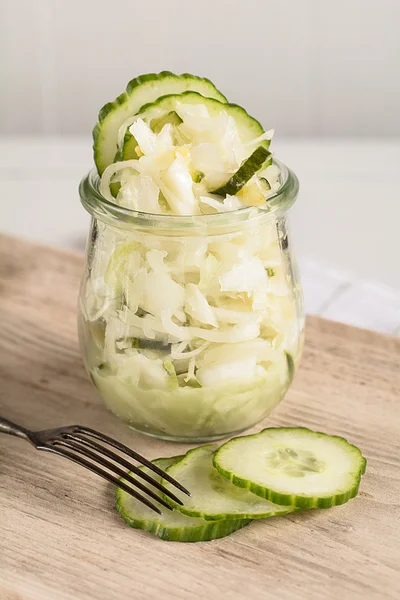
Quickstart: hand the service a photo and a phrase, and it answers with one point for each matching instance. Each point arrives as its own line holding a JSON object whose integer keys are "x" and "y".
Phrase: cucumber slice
{"x": 246, "y": 171}
{"x": 249, "y": 129}
{"x": 293, "y": 466}
{"x": 139, "y": 91}
{"x": 172, "y": 526}
{"x": 212, "y": 496}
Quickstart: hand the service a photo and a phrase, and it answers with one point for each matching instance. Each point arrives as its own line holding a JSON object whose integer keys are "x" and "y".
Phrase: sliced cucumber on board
{"x": 293, "y": 466}
{"x": 140, "y": 91}
{"x": 245, "y": 172}
{"x": 172, "y": 526}
{"x": 212, "y": 496}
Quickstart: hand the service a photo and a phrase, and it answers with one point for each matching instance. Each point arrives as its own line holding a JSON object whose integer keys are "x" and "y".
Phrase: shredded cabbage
{"x": 229, "y": 203}
{"x": 208, "y": 272}
{"x": 227, "y": 371}
{"x": 149, "y": 142}
{"x": 267, "y": 135}
{"x": 259, "y": 350}
{"x": 177, "y": 187}
{"x": 234, "y": 334}
{"x": 161, "y": 179}
{"x": 150, "y": 374}
{"x": 191, "y": 371}
{"x": 198, "y": 307}
{"x": 178, "y": 354}
{"x": 139, "y": 192}
{"x": 110, "y": 171}
{"x": 171, "y": 295}
{"x": 207, "y": 158}
{"x": 125, "y": 258}
{"x": 226, "y": 315}
{"x": 247, "y": 275}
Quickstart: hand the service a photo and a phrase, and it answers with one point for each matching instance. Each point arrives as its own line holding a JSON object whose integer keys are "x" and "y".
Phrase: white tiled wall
{"x": 305, "y": 67}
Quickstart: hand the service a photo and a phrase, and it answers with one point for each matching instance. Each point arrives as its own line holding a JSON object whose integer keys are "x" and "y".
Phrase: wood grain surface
{"x": 61, "y": 539}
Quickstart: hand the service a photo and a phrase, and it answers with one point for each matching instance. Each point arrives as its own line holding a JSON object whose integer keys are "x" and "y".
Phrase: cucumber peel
{"x": 293, "y": 466}
{"x": 212, "y": 496}
{"x": 140, "y": 91}
{"x": 171, "y": 526}
{"x": 129, "y": 148}
{"x": 245, "y": 172}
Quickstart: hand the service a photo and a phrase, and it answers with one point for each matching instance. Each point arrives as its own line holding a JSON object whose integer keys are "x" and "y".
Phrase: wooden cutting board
{"x": 60, "y": 537}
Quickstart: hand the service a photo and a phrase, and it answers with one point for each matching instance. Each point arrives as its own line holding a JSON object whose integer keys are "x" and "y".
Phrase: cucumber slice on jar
{"x": 140, "y": 91}
{"x": 212, "y": 496}
{"x": 249, "y": 128}
{"x": 293, "y": 466}
{"x": 172, "y": 526}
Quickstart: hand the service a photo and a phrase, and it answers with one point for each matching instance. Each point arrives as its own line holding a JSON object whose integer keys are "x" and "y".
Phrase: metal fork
{"x": 77, "y": 444}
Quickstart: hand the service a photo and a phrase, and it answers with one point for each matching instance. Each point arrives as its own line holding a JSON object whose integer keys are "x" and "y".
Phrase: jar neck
{"x": 118, "y": 216}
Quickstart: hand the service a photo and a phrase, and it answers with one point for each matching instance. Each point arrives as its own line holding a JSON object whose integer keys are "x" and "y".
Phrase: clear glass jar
{"x": 191, "y": 328}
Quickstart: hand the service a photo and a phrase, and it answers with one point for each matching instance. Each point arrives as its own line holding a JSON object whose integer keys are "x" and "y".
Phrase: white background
{"x": 304, "y": 67}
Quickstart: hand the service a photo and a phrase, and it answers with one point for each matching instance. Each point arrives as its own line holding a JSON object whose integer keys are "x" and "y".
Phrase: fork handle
{"x": 7, "y": 426}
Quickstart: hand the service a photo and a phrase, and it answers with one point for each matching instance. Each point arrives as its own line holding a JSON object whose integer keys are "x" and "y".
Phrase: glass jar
{"x": 191, "y": 328}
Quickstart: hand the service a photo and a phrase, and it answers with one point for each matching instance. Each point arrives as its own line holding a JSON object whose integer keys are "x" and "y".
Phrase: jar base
{"x": 187, "y": 439}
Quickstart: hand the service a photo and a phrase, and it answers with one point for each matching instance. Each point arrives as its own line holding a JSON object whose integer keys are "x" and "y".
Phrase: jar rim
{"x": 101, "y": 208}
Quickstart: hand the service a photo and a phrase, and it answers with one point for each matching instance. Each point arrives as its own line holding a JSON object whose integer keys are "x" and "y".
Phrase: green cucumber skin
{"x": 250, "y": 166}
{"x": 191, "y": 512}
{"x": 297, "y": 502}
{"x": 136, "y": 81}
{"x": 124, "y": 97}
{"x": 209, "y": 531}
{"x": 363, "y": 466}
{"x": 230, "y": 517}
{"x": 128, "y": 151}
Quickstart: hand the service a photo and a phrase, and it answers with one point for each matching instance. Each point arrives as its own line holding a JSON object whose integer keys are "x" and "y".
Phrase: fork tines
{"x": 77, "y": 444}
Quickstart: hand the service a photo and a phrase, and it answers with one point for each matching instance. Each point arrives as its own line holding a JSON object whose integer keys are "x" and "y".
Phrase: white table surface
{"x": 345, "y": 223}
